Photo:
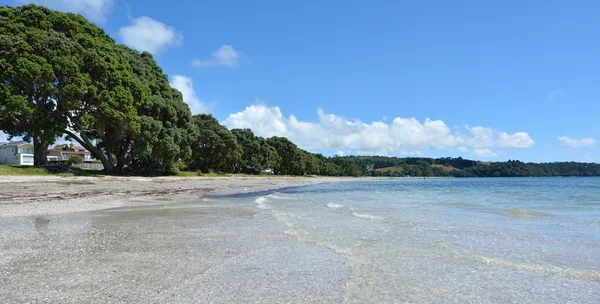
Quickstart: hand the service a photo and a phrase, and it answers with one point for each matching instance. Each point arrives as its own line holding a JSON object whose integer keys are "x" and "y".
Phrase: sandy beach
{"x": 44, "y": 195}
{"x": 155, "y": 240}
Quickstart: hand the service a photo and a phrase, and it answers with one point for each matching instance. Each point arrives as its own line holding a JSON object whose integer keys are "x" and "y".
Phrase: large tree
{"x": 258, "y": 154}
{"x": 215, "y": 147}
{"x": 166, "y": 122}
{"x": 152, "y": 137}
{"x": 61, "y": 74}
{"x": 293, "y": 160}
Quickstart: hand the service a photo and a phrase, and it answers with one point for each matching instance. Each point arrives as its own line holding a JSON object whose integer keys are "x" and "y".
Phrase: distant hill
{"x": 459, "y": 167}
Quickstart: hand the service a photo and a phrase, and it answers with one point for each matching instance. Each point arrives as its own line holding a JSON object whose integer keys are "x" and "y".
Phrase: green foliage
{"x": 292, "y": 158}
{"x": 59, "y": 72}
{"x": 215, "y": 147}
{"x": 65, "y": 147}
{"x": 75, "y": 159}
{"x": 38, "y": 71}
{"x": 166, "y": 128}
{"x": 257, "y": 154}
{"x": 347, "y": 167}
{"x": 459, "y": 167}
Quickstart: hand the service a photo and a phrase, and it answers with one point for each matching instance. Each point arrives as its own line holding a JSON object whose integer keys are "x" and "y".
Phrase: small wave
{"x": 335, "y": 206}
{"x": 522, "y": 213}
{"x": 368, "y": 216}
{"x": 462, "y": 205}
{"x": 262, "y": 203}
{"x": 586, "y": 274}
{"x": 279, "y": 196}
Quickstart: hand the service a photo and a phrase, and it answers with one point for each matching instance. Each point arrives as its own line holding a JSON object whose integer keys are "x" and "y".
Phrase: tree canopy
{"x": 64, "y": 75}
{"x": 60, "y": 73}
{"x": 257, "y": 154}
{"x": 214, "y": 148}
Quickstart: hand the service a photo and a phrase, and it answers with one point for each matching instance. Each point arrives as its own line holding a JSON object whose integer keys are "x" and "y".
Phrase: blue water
{"x": 520, "y": 240}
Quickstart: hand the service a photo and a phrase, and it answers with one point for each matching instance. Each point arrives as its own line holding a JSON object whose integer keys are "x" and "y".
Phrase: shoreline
{"x": 168, "y": 246}
{"x": 47, "y": 195}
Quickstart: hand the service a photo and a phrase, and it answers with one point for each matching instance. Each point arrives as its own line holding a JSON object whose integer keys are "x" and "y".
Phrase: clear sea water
{"x": 486, "y": 240}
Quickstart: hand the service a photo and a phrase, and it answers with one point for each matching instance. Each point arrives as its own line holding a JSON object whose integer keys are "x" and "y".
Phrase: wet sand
{"x": 169, "y": 246}
{"x": 44, "y": 195}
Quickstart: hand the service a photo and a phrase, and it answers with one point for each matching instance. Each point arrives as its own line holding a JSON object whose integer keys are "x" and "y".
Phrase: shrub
{"x": 75, "y": 159}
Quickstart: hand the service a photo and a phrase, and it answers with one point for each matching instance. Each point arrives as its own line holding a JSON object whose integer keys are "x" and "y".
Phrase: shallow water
{"x": 520, "y": 240}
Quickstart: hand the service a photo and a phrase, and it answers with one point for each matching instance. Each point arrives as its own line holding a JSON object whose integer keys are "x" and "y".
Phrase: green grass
{"x": 390, "y": 169}
{"x": 34, "y": 171}
{"x": 87, "y": 172}
{"x": 22, "y": 170}
{"x": 444, "y": 168}
{"x": 198, "y": 173}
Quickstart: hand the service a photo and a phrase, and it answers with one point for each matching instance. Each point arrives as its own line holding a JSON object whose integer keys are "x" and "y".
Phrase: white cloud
{"x": 95, "y": 10}
{"x": 186, "y": 87}
{"x": 462, "y": 149}
{"x": 266, "y": 121}
{"x": 406, "y": 136}
{"x": 577, "y": 143}
{"x": 147, "y": 34}
{"x": 484, "y": 153}
{"x": 517, "y": 140}
{"x": 339, "y": 153}
{"x": 552, "y": 95}
{"x": 225, "y": 56}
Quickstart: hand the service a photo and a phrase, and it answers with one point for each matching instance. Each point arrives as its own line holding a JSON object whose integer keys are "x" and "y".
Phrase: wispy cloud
{"x": 225, "y": 56}
{"x": 485, "y": 153}
{"x": 147, "y": 34}
{"x": 577, "y": 143}
{"x": 554, "y": 94}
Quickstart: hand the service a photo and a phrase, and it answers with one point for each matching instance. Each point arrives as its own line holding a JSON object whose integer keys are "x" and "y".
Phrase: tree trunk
{"x": 40, "y": 151}
{"x": 107, "y": 163}
{"x": 96, "y": 153}
{"x": 120, "y": 164}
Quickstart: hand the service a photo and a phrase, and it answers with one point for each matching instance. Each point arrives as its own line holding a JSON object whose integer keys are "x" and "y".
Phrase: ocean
{"x": 483, "y": 240}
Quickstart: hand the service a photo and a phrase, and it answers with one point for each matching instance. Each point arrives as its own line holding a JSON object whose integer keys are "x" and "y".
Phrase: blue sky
{"x": 494, "y": 81}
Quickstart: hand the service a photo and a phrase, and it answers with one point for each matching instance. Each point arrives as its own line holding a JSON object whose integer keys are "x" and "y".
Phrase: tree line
{"x": 460, "y": 167}
{"x": 64, "y": 76}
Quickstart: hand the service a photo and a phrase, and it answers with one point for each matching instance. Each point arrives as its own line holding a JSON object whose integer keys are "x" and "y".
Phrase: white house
{"x": 18, "y": 153}
{"x": 58, "y": 153}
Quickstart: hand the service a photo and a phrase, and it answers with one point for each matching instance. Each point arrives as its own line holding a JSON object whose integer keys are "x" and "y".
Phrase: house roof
{"x": 70, "y": 152}
{"x": 13, "y": 143}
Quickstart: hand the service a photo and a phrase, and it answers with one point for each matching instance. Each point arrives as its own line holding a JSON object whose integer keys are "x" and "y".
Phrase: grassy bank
{"x": 200, "y": 174}
{"x": 24, "y": 170}
{"x": 34, "y": 171}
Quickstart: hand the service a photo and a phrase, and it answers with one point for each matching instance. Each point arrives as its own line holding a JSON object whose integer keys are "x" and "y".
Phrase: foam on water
{"x": 261, "y": 202}
{"x": 454, "y": 240}
{"x": 368, "y": 216}
{"x": 522, "y": 213}
{"x": 585, "y": 274}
